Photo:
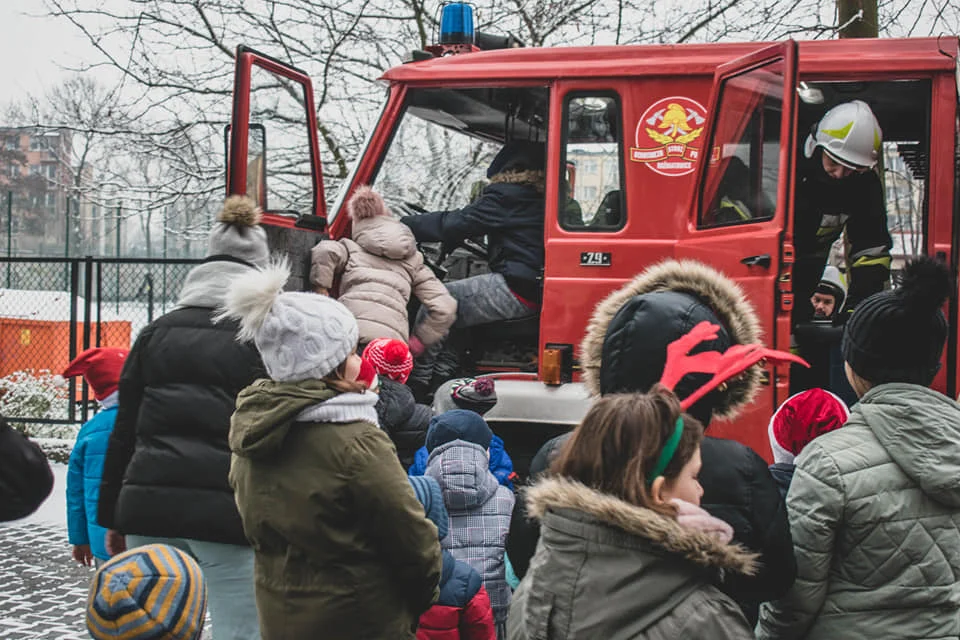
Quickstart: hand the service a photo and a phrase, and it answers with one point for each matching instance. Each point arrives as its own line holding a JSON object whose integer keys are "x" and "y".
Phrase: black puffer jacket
{"x": 625, "y": 350}
{"x": 165, "y": 472}
{"x": 404, "y": 420}
{"x": 738, "y": 489}
{"x": 25, "y": 476}
{"x": 510, "y": 213}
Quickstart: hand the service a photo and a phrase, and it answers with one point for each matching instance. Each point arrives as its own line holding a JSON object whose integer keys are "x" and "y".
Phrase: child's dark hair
{"x": 620, "y": 440}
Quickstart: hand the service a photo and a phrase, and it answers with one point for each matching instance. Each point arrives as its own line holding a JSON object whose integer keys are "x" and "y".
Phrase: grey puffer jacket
{"x": 875, "y": 514}
{"x": 479, "y": 511}
{"x": 608, "y": 569}
{"x": 379, "y": 269}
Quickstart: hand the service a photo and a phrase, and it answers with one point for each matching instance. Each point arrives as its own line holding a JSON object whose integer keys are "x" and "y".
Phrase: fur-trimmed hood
{"x": 535, "y": 179}
{"x": 724, "y": 298}
{"x": 665, "y": 533}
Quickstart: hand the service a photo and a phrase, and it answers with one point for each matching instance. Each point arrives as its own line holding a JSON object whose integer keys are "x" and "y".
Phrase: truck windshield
{"x": 446, "y": 139}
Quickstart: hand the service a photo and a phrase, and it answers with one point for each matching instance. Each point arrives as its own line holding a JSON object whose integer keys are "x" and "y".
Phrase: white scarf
{"x": 346, "y": 407}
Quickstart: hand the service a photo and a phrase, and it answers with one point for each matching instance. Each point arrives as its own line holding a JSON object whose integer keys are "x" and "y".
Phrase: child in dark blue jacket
{"x": 100, "y": 367}
{"x": 509, "y": 213}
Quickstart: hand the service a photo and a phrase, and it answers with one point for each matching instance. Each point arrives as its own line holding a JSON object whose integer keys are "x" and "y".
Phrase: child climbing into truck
{"x": 378, "y": 268}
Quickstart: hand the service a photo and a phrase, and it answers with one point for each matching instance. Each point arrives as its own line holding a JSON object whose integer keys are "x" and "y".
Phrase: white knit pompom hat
{"x": 300, "y": 336}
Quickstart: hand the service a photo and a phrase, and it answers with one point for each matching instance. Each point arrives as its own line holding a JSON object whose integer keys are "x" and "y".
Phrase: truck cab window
{"x": 432, "y": 167}
{"x": 591, "y": 187}
{"x": 446, "y": 139}
{"x": 741, "y": 181}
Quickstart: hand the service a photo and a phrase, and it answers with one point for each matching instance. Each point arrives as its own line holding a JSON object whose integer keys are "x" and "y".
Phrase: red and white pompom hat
{"x": 390, "y": 358}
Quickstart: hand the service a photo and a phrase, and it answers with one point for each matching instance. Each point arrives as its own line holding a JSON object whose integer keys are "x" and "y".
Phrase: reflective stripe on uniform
{"x": 882, "y": 261}
{"x": 736, "y": 205}
{"x": 833, "y": 220}
{"x": 872, "y": 257}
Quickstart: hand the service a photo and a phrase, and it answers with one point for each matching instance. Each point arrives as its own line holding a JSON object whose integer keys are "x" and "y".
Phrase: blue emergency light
{"x": 456, "y": 23}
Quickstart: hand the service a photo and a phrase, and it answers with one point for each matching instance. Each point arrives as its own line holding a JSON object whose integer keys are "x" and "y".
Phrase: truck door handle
{"x": 762, "y": 260}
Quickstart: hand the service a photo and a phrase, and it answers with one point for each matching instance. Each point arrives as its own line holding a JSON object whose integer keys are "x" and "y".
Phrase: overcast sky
{"x": 33, "y": 48}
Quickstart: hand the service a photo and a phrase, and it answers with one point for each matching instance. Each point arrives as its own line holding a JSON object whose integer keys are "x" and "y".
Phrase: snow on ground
{"x": 44, "y": 591}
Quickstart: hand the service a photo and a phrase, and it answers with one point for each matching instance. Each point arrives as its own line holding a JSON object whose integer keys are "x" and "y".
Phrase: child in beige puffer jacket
{"x": 378, "y": 269}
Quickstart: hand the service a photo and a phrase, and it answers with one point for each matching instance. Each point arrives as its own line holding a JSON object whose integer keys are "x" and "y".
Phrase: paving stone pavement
{"x": 43, "y": 592}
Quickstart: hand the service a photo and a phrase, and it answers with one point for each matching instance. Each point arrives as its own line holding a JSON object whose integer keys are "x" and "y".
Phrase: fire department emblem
{"x": 668, "y": 136}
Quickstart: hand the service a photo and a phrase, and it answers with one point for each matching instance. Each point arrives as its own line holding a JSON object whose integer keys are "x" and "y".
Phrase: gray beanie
{"x": 300, "y": 336}
{"x": 237, "y": 232}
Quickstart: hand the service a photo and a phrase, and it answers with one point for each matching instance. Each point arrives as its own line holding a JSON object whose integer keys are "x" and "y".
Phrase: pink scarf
{"x": 690, "y": 516}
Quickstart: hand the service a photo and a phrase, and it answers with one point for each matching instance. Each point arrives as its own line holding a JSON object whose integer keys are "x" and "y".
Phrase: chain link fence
{"x": 51, "y": 309}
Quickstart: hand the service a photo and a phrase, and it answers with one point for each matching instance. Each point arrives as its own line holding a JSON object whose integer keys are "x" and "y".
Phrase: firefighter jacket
{"x": 824, "y": 208}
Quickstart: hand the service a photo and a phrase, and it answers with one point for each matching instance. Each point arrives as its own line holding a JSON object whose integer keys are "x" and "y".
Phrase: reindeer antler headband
{"x": 723, "y": 366}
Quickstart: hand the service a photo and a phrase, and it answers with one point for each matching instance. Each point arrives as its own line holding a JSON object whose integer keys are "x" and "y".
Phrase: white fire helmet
{"x": 832, "y": 283}
{"x": 850, "y": 134}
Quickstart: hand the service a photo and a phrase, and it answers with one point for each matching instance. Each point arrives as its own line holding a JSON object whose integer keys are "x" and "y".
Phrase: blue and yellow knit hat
{"x": 155, "y": 591}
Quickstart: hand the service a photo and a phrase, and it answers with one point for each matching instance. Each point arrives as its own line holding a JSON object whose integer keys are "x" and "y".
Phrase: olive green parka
{"x": 343, "y": 549}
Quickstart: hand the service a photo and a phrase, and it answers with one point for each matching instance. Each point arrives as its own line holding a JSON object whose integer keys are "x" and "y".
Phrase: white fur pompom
{"x": 251, "y": 297}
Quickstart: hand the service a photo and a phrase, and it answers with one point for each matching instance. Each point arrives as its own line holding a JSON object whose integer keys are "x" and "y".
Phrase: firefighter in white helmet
{"x": 828, "y": 297}
{"x": 837, "y": 189}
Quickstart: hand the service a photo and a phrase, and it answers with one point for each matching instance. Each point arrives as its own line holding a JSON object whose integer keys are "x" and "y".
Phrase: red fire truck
{"x": 648, "y": 132}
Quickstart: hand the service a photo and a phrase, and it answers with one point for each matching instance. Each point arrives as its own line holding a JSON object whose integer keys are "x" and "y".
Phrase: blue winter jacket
{"x": 501, "y": 465}
{"x": 83, "y": 482}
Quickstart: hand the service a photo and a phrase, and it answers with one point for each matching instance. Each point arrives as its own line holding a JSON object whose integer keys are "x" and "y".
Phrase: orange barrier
{"x": 37, "y": 345}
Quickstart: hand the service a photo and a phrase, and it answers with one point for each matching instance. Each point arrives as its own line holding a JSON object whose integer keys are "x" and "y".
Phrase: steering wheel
{"x": 434, "y": 264}
{"x": 413, "y": 209}
{"x": 477, "y": 248}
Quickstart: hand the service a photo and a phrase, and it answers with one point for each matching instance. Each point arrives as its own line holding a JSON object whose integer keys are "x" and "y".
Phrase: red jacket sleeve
{"x": 477, "y": 620}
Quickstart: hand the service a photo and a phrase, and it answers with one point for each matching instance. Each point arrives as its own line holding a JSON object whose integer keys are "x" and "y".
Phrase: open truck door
{"x": 288, "y": 184}
{"x": 740, "y": 220}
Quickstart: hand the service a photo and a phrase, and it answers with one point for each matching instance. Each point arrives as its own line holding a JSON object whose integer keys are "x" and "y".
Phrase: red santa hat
{"x": 101, "y": 367}
{"x": 390, "y": 358}
{"x": 802, "y": 418}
